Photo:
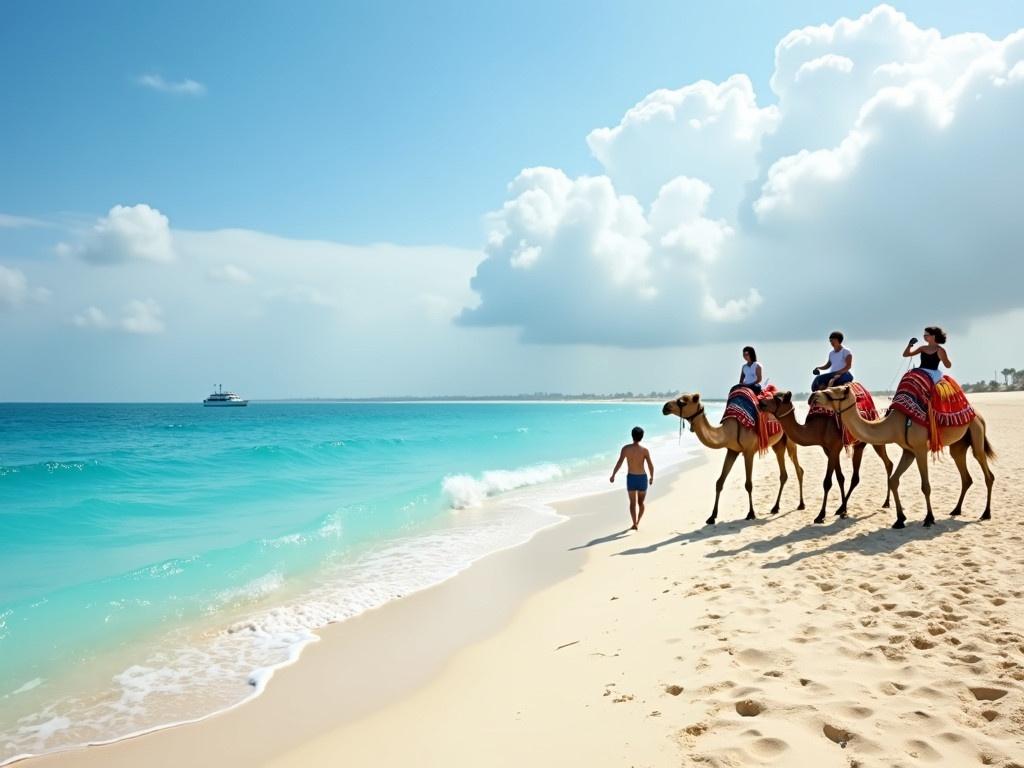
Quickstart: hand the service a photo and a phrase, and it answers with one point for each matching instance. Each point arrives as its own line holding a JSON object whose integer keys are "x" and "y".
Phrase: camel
{"x": 824, "y": 432}
{"x": 913, "y": 439}
{"x": 736, "y": 439}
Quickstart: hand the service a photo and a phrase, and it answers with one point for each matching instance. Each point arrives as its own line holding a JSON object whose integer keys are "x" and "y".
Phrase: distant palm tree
{"x": 1007, "y": 373}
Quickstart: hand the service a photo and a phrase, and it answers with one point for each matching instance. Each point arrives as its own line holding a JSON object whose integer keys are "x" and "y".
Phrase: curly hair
{"x": 936, "y": 333}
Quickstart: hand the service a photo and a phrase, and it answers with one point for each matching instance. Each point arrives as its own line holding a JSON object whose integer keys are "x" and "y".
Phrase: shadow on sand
{"x": 603, "y": 539}
{"x": 807, "y": 533}
{"x": 707, "y": 532}
{"x": 879, "y": 541}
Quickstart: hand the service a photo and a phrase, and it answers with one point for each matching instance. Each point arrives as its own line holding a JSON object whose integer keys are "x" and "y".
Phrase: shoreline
{"x": 770, "y": 642}
{"x": 509, "y": 574}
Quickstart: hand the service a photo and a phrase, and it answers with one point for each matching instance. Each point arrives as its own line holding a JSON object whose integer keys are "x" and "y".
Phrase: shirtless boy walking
{"x": 635, "y": 456}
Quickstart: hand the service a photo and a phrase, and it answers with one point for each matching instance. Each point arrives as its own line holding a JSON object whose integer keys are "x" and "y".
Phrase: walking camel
{"x": 913, "y": 439}
{"x": 735, "y": 439}
{"x": 823, "y": 431}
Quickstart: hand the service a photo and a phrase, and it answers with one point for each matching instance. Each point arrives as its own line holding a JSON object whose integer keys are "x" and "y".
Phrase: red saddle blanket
{"x": 742, "y": 405}
{"x": 865, "y": 406}
{"x": 931, "y": 405}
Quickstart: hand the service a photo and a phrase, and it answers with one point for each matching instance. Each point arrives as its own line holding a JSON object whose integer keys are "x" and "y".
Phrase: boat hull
{"x": 226, "y": 404}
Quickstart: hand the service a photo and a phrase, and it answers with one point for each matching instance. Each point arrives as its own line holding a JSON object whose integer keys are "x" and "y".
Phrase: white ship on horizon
{"x": 222, "y": 399}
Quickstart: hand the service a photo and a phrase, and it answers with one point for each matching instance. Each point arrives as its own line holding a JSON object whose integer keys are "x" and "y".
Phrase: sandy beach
{"x": 772, "y": 642}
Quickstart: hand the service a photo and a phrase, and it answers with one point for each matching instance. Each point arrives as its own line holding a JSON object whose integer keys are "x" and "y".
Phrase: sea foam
{"x": 466, "y": 491}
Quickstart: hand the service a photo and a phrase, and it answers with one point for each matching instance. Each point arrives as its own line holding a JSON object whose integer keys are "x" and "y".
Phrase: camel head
{"x": 685, "y": 406}
{"x": 778, "y": 403}
{"x": 836, "y": 398}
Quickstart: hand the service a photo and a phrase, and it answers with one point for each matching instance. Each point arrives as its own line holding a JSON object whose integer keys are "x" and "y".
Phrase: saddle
{"x": 865, "y": 407}
{"x": 932, "y": 405}
{"x": 742, "y": 406}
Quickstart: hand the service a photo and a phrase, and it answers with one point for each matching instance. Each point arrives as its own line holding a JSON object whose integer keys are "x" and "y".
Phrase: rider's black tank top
{"x": 930, "y": 360}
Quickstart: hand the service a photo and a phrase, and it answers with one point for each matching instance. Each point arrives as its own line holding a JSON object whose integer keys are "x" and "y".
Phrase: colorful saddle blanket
{"x": 865, "y": 406}
{"x": 742, "y": 405}
{"x": 931, "y": 405}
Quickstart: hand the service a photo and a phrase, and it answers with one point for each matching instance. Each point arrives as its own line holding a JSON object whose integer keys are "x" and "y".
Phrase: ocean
{"x": 158, "y": 562}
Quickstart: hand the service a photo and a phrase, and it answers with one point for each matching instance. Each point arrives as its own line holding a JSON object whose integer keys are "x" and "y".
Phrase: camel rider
{"x": 932, "y": 352}
{"x": 839, "y": 365}
{"x": 751, "y": 373}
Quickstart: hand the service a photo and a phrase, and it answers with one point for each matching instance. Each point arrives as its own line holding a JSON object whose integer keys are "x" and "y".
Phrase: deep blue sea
{"x": 157, "y": 562}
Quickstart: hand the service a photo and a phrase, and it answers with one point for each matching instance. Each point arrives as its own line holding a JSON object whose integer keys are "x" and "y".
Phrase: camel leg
{"x": 979, "y": 444}
{"x": 748, "y": 465}
{"x": 780, "y": 456}
{"x": 880, "y": 450}
{"x": 894, "y": 486}
{"x": 730, "y": 459}
{"x": 791, "y": 450}
{"x": 958, "y": 452}
{"x": 926, "y": 487}
{"x": 858, "y": 457}
{"x": 826, "y": 484}
{"x": 841, "y": 479}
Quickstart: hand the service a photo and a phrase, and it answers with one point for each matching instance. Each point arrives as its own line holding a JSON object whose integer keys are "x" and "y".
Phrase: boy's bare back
{"x": 635, "y": 455}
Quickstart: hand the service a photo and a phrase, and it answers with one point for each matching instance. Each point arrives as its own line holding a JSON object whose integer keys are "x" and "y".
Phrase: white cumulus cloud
{"x": 125, "y": 234}
{"x": 138, "y": 316}
{"x": 92, "y": 317}
{"x": 15, "y": 289}
{"x": 878, "y": 193}
{"x": 142, "y": 316}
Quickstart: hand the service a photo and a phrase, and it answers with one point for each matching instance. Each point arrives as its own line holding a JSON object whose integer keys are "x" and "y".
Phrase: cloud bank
{"x": 877, "y": 193}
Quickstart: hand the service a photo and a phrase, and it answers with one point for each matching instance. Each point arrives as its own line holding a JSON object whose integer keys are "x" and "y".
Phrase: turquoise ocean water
{"x": 157, "y": 562}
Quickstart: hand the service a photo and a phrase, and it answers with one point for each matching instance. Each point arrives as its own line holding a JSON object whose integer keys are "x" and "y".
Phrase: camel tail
{"x": 990, "y": 452}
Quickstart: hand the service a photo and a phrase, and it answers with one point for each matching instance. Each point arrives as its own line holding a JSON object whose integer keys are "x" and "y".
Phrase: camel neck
{"x": 870, "y": 432}
{"x": 799, "y": 433}
{"x": 711, "y": 436}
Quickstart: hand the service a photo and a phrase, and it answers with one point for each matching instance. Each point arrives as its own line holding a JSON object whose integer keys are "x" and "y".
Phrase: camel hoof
{"x": 899, "y": 525}
{"x": 986, "y": 515}
{"x": 928, "y": 523}
{"x": 843, "y": 515}
{"x": 886, "y": 505}
{"x": 955, "y": 513}
{"x": 775, "y": 510}
{"x": 819, "y": 520}
{"x": 801, "y": 507}
{"x": 750, "y": 516}
{"x": 839, "y": 512}
{"x": 710, "y": 521}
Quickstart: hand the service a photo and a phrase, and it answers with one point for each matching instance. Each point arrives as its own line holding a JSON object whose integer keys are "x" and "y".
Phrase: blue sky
{"x": 359, "y": 121}
{"x": 139, "y": 137}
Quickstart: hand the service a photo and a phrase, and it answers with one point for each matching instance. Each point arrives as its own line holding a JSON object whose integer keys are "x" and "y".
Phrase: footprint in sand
{"x": 983, "y": 693}
{"x": 922, "y": 750}
{"x": 768, "y": 747}
{"x": 839, "y": 736}
{"x": 990, "y": 714}
{"x": 921, "y": 643}
{"x": 749, "y": 708}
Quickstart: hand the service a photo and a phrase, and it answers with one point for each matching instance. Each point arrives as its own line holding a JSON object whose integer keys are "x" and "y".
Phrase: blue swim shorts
{"x": 636, "y": 482}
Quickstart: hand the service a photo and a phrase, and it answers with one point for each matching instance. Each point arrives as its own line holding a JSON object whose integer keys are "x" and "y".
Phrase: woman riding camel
{"x": 751, "y": 374}
{"x": 932, "y": 352}
{"x": 839, "y": 365}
